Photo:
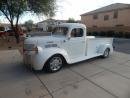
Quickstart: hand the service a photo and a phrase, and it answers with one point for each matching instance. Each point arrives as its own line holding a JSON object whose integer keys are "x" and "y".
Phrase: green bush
{"x": 89, "y": 33}
{"x": 127, "y": 34}
{"x": 119, "y": 34}
{"x": 102, "y": 33}
{"x": 94, "y": 33}
{"x": 110, "y": 34}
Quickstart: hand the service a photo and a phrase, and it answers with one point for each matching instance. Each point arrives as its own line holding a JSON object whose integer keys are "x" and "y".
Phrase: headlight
{"x": 30, "y": 47}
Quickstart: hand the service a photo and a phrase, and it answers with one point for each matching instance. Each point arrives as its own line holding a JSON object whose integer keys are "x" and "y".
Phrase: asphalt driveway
{"x": 95, "y": 78}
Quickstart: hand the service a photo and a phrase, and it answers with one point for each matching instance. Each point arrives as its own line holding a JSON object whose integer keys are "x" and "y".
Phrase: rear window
{"x": 61, "y": 31}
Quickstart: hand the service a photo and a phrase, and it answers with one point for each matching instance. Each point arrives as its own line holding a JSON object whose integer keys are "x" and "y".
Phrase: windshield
{"x": 61, "y": 31}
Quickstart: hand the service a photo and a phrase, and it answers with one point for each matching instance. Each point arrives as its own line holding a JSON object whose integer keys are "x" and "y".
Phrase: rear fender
{"x": 102, "y": 48}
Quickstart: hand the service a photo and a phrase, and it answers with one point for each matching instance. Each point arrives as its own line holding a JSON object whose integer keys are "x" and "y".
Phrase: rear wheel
{"x": 54, "y": 64}
{"x": 106, "y": 53}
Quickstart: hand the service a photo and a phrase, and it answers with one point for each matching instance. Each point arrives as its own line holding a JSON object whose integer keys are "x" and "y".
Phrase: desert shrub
{"x": 94, "y": 33}
{"x": 127, "y": 34}
{"x": 89, "y": 33}
{"x": 110, "y": 33}
{"x": 50, "y": 28}
{"x": 102, "y": 33}
{"x": 99, "y": 33}
{"x": 119, "y": 34}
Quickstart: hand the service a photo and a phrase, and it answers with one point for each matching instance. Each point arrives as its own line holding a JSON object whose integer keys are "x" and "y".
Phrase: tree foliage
{"x": 13, "y": 9}
{"x": 29, "y": 25}
{"x": 47, "y": 7}
{"x": 71, "y": 20}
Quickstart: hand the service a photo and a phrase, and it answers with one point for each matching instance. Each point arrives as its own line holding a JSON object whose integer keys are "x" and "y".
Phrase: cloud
{"x": 74, "y": 8}
{"x": 71, "y": 9}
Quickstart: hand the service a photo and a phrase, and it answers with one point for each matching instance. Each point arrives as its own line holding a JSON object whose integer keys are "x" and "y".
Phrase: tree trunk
{"x": 17, "y": 36}
{"x": 16, "y": 33}
{"x": 17, "y": 30}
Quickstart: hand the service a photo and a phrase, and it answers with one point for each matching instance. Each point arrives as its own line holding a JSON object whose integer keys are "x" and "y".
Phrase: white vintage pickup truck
{"x": 68, "y": 43}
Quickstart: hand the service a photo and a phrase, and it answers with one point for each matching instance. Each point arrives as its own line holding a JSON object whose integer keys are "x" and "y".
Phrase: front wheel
{"x": 54, "y": 64}
{"x": 106, "y": 53}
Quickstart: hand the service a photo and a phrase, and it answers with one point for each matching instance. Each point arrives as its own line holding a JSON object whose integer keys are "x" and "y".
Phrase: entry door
{"x": 76, "y": 44}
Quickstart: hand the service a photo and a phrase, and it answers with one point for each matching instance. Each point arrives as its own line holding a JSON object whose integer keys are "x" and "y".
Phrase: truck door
{"x": 76, "y": 43}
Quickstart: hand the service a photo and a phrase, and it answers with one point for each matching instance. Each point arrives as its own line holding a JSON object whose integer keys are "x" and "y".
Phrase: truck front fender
{"x": 45, "y": 53}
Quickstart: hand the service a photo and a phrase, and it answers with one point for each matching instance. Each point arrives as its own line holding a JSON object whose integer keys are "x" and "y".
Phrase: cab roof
{"x": 72, "y": 25}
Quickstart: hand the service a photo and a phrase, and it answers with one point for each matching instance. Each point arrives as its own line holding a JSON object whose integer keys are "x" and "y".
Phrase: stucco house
{"x": 44, "y": 25}
{"x": 4, "y": 27}
{"x": 114, "y": 17}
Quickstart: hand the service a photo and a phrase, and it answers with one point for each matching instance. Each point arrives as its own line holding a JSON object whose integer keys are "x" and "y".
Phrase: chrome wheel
{"x": 55, "y": 63}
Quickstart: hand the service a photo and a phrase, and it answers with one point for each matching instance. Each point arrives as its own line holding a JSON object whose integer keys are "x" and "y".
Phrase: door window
{"x": 77, "y": 32}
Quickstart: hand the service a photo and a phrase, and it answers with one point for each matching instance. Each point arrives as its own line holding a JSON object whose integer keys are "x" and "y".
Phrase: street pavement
{"x": 122, "y": 45}
{"x": 94, "y": 78}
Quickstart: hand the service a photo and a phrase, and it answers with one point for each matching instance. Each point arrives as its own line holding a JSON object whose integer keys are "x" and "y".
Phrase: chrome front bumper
{"x": 31, "y": 61}
{"x": 27, "y": 61}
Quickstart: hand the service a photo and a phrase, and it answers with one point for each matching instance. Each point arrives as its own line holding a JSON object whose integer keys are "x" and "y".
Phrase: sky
{"x": 70, "y": 9}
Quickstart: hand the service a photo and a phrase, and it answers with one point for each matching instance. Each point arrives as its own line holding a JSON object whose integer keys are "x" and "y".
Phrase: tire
{"x": 54, "y": 64}
{"x": 106, "y": 53}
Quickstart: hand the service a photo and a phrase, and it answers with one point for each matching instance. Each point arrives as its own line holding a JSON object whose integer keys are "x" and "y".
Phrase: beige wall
{"x": 123, "y": 18}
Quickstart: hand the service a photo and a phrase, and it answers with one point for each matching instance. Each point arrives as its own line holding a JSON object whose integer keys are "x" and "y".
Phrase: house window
{"x": 115, "y": 14}
{"x": 94, "y": 26}
{"x": 106, "y": 17}
{"x": 95, "y": 16}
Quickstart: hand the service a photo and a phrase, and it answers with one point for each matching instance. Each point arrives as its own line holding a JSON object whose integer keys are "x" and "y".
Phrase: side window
{"x": 115, "y": 14}
{"x": 106, "y": 17}
{"x": 95, "y": 16}
{"x": 77, "y": 32}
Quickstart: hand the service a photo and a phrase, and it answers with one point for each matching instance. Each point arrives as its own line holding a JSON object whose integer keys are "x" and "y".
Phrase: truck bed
{"x": 101, "y": 40}
{"x": 95, "y": 43}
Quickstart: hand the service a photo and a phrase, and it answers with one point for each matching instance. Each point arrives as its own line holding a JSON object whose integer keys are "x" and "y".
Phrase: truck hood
{"x": 43, "y": 39}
